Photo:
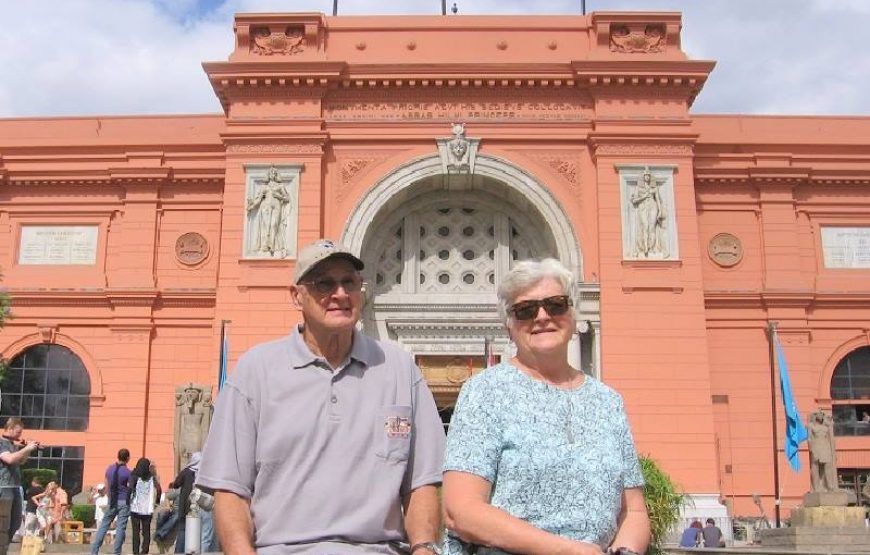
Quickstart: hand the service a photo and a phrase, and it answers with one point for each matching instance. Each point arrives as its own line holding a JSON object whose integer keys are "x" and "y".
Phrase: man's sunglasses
{"x": 554, "y": 306}
{"x": 327, "y": 286}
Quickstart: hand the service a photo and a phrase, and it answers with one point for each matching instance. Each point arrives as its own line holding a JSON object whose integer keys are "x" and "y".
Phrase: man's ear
{"x": 294, "y": 296}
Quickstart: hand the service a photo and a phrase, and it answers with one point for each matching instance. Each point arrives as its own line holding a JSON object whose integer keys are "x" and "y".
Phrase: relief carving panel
{"x": 287, "y": 42}
{"x": 637, "y": 38}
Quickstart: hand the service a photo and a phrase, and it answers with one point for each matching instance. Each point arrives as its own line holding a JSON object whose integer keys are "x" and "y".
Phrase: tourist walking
{"x": 144, "y": 494}
{"x": 118, "y": 478}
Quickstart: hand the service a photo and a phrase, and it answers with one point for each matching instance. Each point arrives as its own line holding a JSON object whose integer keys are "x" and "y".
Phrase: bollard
{"x": 192, "y": 531}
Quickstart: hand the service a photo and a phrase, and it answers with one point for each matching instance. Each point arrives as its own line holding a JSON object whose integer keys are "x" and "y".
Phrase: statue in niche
{"x": 650, "y": 218}
{"x": 193, "y": 408}
{"x": 269, "y": 210}
{"x": 457, "y": 147}
{"x": 823, "y": 463}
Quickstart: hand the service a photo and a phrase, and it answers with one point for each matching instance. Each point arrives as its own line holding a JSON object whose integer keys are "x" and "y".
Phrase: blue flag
{"x": 225, "y": 349}
{"x": 795, "y": 431}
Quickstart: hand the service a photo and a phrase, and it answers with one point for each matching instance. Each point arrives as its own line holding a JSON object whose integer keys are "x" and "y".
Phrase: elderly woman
{"x": 540, "y": 457}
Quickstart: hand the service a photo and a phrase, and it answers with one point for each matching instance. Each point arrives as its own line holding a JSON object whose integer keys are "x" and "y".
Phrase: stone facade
{"x": 441, "y": 166}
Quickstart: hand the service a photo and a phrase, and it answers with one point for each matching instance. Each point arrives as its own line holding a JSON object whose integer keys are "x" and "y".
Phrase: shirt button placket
{"x": 334, "y": 413}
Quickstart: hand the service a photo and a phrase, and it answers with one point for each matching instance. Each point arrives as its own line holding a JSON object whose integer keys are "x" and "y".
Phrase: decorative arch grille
{"x": 450, "y": 247}
{"x": 850, "y": 394}
{"x": 48, "y": 387}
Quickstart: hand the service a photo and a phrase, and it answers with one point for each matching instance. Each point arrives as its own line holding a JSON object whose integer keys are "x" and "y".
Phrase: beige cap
{"x": 317, "y": 252}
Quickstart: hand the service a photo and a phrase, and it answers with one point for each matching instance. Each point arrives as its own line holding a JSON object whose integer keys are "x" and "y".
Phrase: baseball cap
{"x": 319, "y": 251}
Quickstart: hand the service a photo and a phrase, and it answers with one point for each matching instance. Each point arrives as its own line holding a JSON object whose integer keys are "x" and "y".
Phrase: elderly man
{"x": 325, "y": 441}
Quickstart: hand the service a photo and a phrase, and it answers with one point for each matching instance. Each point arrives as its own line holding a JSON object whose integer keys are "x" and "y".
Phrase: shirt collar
{"x": 302, "y": 356}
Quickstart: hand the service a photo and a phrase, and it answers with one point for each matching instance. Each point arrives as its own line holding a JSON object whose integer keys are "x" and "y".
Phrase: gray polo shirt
{"x": 324, "y": 456}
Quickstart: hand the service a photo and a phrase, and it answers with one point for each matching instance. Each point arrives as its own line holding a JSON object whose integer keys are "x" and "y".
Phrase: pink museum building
{"x": 442, "y": 150}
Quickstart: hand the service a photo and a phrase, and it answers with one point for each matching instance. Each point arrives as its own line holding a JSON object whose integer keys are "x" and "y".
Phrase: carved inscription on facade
{"x": 846, "y": 247}
{"x": 455, "y": 105}
{"x": 62, "y": 244}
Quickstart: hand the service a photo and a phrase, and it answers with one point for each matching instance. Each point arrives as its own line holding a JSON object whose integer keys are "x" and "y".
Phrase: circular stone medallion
{"x": 725, "y": 249}
{"x": 191, "y": 248}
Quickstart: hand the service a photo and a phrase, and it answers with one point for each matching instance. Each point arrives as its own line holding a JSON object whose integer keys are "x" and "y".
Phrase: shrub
{"x": 84, "y": 513}
{"x": 664, "y": 500}
{"x": 42, "y": 475}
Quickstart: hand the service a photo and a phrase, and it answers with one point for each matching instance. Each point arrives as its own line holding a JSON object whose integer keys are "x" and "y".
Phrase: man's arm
{"x": 18, "y": 457}
{"x": 422, "y": 516}
{"x": 235, "y": 529}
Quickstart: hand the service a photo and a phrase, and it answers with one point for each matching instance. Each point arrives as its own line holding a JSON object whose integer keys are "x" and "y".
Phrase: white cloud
{"x": 83, "y": 57}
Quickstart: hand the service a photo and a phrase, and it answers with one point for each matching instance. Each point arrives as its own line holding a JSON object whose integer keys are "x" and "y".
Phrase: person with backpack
{"x": 118, "y": 478}
{"x": 145, "y": 492}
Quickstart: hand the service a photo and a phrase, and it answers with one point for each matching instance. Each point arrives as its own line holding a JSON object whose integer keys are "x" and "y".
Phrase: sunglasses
{"x": 553, "y": 306}
{"x": 327, "y": 286}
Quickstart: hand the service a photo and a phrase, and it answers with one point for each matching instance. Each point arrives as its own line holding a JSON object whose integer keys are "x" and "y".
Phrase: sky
{"x": 125, "y": 57}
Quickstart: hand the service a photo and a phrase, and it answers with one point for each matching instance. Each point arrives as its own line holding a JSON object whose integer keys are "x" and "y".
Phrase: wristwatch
{"x": 431, "y": 546}
{"x": 622, "y": 551}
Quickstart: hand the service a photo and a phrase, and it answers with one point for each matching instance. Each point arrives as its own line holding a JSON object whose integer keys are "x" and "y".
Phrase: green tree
{"x": 664, "y": 501}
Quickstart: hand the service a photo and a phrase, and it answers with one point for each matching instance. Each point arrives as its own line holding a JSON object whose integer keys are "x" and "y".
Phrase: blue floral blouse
{"x": 556, "y": 458}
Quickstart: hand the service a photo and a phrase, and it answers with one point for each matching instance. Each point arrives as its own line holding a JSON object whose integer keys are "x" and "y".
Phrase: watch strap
{"x": 431, "y": 546}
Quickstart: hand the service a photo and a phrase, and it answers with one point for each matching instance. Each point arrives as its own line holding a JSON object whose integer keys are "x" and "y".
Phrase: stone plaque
{"x": 58, "y": 244}
{"x": 191, "y": 248}
{"x": 725, "y": 249}
{"x": 846, "y": 247}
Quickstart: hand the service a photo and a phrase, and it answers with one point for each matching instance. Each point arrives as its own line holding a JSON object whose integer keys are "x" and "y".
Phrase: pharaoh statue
{"x": 823, "y": 462}
{"x": 269, "y": 210}
{"x": 650, "y": 218}
{"x": 193, "y": 408}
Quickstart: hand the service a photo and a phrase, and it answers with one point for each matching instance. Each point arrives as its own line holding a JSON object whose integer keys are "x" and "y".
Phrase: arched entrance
{"x": 435, "y": 248}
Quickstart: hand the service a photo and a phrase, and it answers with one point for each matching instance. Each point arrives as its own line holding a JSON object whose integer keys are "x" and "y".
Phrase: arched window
{"x": 850, "y": 393}
{"x": 48, "y": 387}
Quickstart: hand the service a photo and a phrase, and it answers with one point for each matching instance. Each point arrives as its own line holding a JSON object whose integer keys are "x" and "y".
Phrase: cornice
{"x": 436, "y": 307}
{"x": 114, "y": 176}
{"x": 106, "y": 298}
{"x": 781, "y": 175}
{"x": 784, "y": 299}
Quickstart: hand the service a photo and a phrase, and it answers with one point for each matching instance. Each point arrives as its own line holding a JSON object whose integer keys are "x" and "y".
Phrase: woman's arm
{"x": 468, "y": 514}
{"x": 38, "y": 497}
{"x": 634, "y": 529}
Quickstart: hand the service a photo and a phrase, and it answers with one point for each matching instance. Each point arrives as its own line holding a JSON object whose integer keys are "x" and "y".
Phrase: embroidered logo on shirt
{"x": 397, "y": 426}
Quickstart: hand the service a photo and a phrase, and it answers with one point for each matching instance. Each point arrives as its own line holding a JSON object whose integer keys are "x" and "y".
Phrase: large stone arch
{"x": 397, "y": 184}
{"x": 447, "y": 330}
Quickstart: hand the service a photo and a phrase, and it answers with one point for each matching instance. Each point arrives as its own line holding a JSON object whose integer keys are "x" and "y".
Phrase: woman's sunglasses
{"x": 554, "y": 306}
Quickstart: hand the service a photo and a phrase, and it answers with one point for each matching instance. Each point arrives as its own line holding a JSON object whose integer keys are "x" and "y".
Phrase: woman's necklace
{"x": 569, "y": 419}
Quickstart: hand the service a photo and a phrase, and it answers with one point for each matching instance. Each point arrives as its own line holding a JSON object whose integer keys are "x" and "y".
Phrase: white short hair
{"x": 525, "y": 275}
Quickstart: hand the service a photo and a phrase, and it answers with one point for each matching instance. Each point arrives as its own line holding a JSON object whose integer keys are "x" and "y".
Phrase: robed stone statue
{"x": 193, "y": 409}
{"x": 823, "y": 461}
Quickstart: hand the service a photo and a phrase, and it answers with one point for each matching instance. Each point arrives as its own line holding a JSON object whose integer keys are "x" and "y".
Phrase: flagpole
{"x": 771, "y": 335}
{"x": 222, "y": 360}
